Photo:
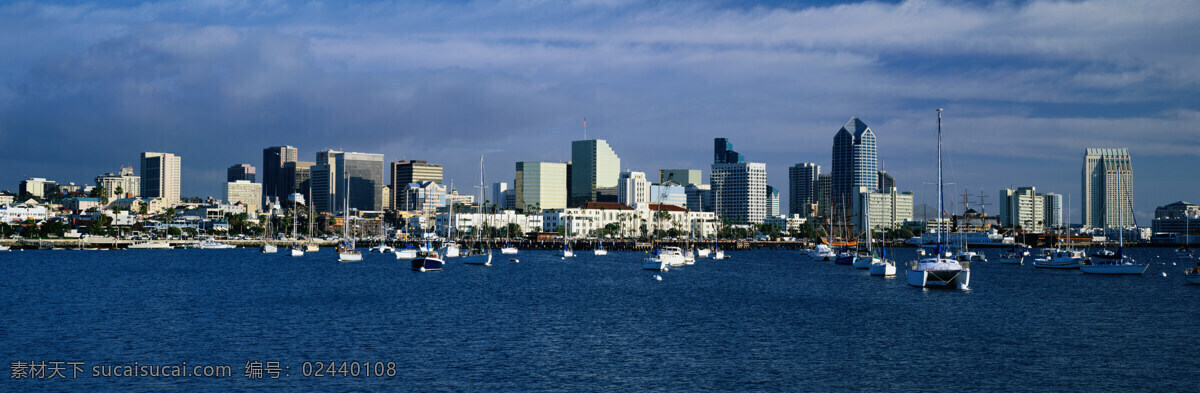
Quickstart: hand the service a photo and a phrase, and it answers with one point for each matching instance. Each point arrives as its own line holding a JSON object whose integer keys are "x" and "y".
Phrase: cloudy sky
{"x": 1026, "y": 86}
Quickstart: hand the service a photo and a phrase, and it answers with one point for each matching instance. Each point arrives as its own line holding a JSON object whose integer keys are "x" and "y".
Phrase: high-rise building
{"x": 802, "y": 189}
{"x": 886, "y": 181}
{"x": 335, "y": 171}
{"x": 633, "y": 189}
{"x": 740, "y": 191}
{"x": 772, "y": 202}
{"x": 1023, "y": 207}
{"x": 1102, "y": 168}
{"x": 424, "y": 196}
{"x": 240, "y": 172}
{"x": 297, "y": 177}
{"x": 884, "y": 209}
{"x": 273, "y": 159}
{"x": 723, "y": 152}
{"x": 668, "y": 194}
{"x": 387, "y": 198}
{"x": 681, "y": 177}
{"x": 1053, "y": 205}
{"x": 855, "y": 161}
{"x": 37, "y": 187}
{"x": 406, "y": 172}
{"x": 541, "y": 185}
{"x": 699, "y": 197}
{"x": 246, "y": 193}
{"x": 499, "y": 189}
{"x": 823, "y": 194}
{"x": 594, "y": 169}
{"x": 160, "y": 176}
{"x": 118, "y": 186}
{"x": 1179, "y": 218}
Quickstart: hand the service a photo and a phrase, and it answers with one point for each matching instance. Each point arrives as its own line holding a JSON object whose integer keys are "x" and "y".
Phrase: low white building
{"x": 786, "y": 223}
{"x": 464, "y": 222}
{"x": 20, "y": 212}
{"x": 590, "y": 219}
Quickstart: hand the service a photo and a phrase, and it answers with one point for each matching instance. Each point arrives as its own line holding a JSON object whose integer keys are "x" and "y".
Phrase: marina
{"x": 583, "y": 324}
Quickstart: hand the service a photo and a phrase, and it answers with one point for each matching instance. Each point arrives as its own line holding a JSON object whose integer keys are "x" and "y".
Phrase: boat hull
{"x": 600, "y": 251}
{"x": 953, "y": 279}
{"x": 862, "y": 262}
{"x": 295, "y": 252}
{"x": 508, "y": 250}
{"x": 844, "y": 260}
{"x": 426, "y": 264}
{"x": 653, "y": 264}
{"x": 406, "y": 254}
{"x": 566, "y": 254}
{"x": 1052, "y": 264}
{"x": 718, "y": 255}
{"x": 882, "y": 268}
{"x": 478, "y": 259}
{"x": 1124, "y": 268}
{"x": 1013, "y": 261}
{"x": 268, "y": 249}
{"x": 349, "y": 256}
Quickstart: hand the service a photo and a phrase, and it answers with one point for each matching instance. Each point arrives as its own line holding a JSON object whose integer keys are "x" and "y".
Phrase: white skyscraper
{"x": 541, "y": 186}
{"x": 633, "y": 189}
{"x": 246, "y": 193}
{"x": 740, "y": 191}
{"x": 1023, "y": 207}
{"x": 160, "y": 176}
{"x": 1101, "y": 170}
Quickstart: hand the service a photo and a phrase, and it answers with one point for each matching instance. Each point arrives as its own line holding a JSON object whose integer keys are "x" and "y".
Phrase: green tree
{"x": 143, "y": 208}
{"x": 191, "y": 232}
{"x": 174, "y": 232}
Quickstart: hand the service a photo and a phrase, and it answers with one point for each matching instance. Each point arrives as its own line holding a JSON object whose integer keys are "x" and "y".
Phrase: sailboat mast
{"x": 941, "y": 207}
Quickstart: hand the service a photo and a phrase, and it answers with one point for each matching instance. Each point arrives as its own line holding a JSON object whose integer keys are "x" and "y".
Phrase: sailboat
{"x": 717, "y": 253}
{"x": 480, "y": 254}
{"x": 1012, "y": 257}
{"x": 1107, "y": 262}
{"x": 427, "y": 257}
{"x": 347, "y": 251}
{"x": 311, "y": 246}
{"x": 267, "y": 247}
{"x": 937, "y": 270}
{"x": 1185, "y": 252}
{"x": 600, "y": 250}
{"x": 296, "y": 250}
{"x": 382, "y": 247}
{"x": 508, "y": 247}
{"x": 1061, "y": 257}
{"x": 566, "y": 251}
{"x": 877, "y": 266}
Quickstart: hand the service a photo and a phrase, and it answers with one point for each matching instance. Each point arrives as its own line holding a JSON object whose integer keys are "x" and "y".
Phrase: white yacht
{"x": 689, "y": 257}
{"x": 382, "y": 248}
{"x": 508, "y": 249}
{"x": 1114, "y": 263}
{"x": 600, "y": 250}
{"x": 882, "y": 267}
{"x": 1060, "y": 259}
{"x": 296, "y": 250}
{"x": 664, "y": 256}
{"x": 407, "y": 253}
{"x": 150, "y": 245}
{"x": 822, "y": 252}
{"x": 703, "y": 253}
{"x": 969, "y": 256}
{"x": 480, "y": 253}
{"x": 938, "y": 271}
{"x": 450, "y": 250}
{"x": 210, "y": 244}
{"x": 863, "y": 260}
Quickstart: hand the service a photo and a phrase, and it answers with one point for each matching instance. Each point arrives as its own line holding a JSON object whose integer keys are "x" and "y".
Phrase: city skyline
{"x": 1022, "y": 102}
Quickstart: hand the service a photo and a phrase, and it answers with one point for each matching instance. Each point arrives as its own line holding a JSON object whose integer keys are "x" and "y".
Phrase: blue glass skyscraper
{"x": 855, "y": 161}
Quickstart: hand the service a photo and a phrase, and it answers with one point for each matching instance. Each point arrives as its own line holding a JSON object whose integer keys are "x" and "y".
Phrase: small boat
{"x": 1012, "y": 258}
{"x": 845, "y": 257}
{"x": 428, "y": 261}
{"x": 1192, "y": 275}
{"x": 882, "y": 267}
{"x": 296, "y": 250}
{"x": 1060, "y": 259}
{"x": 312, "y": 247}
{"x": 382, "y": 248}
{"x": 663, "y": 257}
{"x": 969, "y": 256}
{"x": 450, "y": 250}
{"x": 566, "y": 251}
{"x": 5, "y": 248}
{"x": 508, "y": 249}
{"x": 210, "y": 244}
{"x": 150, "y": 245}
{"x": 703, "y": 253}
{"x": 409, "y": 252}
{"x": 600, "y": 250}
{"x": 268, "y": 248}
{"x": 689, "y": 257}
{"x": 347, "y": 253}
{"x": 863, "y": 260}
{"x": 1108, "y": 262}
{"x": 719, "y": 254}
{"x": 822, "y": 252}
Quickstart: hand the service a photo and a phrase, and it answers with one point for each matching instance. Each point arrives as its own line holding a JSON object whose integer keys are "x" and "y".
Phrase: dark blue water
{"x": 761, "y": 321}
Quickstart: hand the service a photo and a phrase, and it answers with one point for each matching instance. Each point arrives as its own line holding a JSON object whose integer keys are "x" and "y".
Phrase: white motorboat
{"x": 600, "y": 250}
{"x": 268, "y": 248}
{"x": 1060, "y": 259}
{"x": 689, "y": 257}
{"x": 664, "y": 257}
{"x": 969, "y": 256}
{"x": 296, "y": 251}
{"x": 150, "y": 245}
{"x": 382, "y": 248}
{"x": 508, "y": 249}
{"x": 5, "y": 248}
{"x": 407, "y": 253}
{"x": 719, "y": 254}
{"x": 209, "y": 244}
{"x": 822, "y": 252}
{"x": 312, "y": 247}
{"x": 703, "y": 253}
{"x": 882, "y": 267}
{"x": 654, "y": 263}
{"x": 938, "y": 271}
{"x": 450, "y": 250}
